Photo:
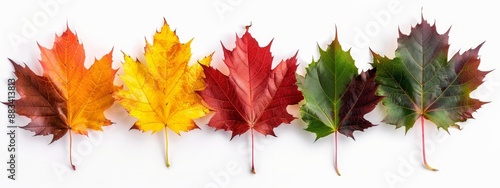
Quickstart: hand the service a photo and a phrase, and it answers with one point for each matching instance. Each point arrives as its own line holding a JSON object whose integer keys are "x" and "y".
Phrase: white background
{"x": 380, "y": 156}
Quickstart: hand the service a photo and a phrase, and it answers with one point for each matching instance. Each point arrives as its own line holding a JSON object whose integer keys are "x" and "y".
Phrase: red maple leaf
{"x": 253, "y": 96}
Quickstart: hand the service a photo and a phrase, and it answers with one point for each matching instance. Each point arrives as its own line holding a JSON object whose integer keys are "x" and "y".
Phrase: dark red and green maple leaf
{"x": 421, "y": 83}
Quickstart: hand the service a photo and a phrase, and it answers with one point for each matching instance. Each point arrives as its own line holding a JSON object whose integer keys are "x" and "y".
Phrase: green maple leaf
{"x": 337, "y": 97}
{"x": 420, "y": 82}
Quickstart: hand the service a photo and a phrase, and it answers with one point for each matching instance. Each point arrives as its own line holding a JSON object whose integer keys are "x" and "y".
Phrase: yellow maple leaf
{"x": 162, "y": 92}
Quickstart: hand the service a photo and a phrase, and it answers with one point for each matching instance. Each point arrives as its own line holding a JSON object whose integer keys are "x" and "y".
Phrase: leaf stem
{"x": 71, "y": 150}
{"x": 167, "y": 162}
{"x": 423, "y": 146}
{"x": 253, "y": 151}
{"x": 335, "y": 155}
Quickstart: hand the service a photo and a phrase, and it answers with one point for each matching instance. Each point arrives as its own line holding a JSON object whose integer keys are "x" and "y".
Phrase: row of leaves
{"x": 164, "y": 91}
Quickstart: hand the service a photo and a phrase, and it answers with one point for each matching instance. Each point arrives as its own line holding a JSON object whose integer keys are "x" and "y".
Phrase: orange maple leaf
{"x": 68, "y": 97}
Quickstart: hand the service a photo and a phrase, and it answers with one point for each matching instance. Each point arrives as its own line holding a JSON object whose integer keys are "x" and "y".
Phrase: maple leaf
{"x": 420, "y": 82}
{"x": 252, "y": 97}
{"x": 336, "y": 96}
{"x": 161, "y": 93}
{"x": 68, "y": 97}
